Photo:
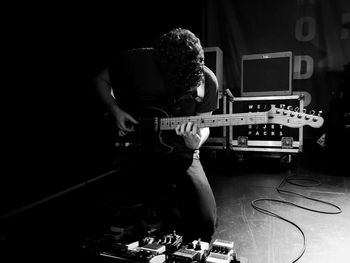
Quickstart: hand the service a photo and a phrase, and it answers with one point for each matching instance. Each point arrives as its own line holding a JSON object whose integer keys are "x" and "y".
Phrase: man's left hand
{"x": 191, "y": 134}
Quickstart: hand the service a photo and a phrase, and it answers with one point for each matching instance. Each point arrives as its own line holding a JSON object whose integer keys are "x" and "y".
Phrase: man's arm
{"x": 104, "y": 90}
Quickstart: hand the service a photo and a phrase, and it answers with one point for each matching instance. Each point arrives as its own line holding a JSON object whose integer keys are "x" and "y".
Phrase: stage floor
{"x": 58, "y": 228}
{"x": 261, "y": 237}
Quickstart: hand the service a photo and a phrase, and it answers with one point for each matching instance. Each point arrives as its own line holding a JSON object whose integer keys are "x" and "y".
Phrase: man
{"x": 170, "y": 78}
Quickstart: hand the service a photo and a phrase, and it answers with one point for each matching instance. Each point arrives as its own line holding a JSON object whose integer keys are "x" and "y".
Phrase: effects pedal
{"x": 148, "y": 253}
{"x": 172, "y": 242}
{"x": 197, "y": 250}
{"x": 221, "y": 251}
{"x": 149, "y": 249}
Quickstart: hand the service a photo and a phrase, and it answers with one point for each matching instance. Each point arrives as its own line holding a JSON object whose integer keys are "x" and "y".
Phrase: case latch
{"x": 242, "y": 141}
{"x": 287, "y": 142}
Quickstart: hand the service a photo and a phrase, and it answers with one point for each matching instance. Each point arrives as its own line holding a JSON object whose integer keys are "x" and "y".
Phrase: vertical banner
{"x": 316, "y": 32}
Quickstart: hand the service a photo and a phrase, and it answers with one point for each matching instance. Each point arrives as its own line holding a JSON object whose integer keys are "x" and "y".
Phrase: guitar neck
{"x": 217, "y": 120}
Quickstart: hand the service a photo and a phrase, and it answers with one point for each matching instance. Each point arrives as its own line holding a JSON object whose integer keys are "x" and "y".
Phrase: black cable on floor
{"x": 316, "y": 183}
{"x": 267, "y": 212}
{"x": 292, "y": 180}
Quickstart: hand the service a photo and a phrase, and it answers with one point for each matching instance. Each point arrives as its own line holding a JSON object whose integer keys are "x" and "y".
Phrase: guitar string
{"x": 211, "y": 117}
{"x": 198, "y": 119}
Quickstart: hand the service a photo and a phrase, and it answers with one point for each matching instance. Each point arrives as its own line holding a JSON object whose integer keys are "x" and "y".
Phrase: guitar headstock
{"x": 294, "y": 118}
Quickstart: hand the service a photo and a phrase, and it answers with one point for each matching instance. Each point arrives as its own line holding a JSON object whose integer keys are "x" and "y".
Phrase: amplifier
{"x": 214, "y": 61}
{"x": 218, "y": 135}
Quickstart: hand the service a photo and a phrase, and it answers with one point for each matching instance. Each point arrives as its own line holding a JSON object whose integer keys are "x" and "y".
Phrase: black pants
{"x": 196, "y": 203}
{"x": 160, "y": 179}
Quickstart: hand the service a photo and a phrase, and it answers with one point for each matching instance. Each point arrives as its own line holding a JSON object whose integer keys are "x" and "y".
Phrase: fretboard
{"x": 215, "y": 120}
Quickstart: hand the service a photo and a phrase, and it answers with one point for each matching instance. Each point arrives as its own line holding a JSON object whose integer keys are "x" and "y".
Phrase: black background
{"x": 53, "y": 135}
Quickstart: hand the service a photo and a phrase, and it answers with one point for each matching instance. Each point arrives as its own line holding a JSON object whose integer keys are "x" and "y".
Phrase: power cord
{"x": 293, "y": 179}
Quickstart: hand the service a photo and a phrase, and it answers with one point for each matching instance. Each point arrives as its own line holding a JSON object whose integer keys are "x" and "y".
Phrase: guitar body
{"x": 147, "y": 136}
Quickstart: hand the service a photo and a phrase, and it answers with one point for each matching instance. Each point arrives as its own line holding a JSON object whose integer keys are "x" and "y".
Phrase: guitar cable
{"x": 293, "y": 180}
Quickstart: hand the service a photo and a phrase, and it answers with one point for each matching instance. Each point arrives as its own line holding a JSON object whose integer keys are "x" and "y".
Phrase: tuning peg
{"x": 290, "y": 108}
{"x": 304, "y": 110}
{"x": 296, "y": 109}
{"x": 284, "y": 111}
{"x": 315, "y": 119}
{"x": 312, "y": 112}
{"x": 319, "y": 113}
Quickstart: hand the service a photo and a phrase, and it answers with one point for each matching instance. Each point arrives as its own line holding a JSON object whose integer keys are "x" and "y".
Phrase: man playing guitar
{"x": 170, "y": 78}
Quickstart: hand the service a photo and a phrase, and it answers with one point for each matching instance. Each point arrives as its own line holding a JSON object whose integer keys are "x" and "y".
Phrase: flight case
{"x": 272, "y": 139}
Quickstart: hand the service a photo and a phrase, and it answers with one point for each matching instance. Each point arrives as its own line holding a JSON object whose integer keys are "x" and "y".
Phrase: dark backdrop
{"x": 53, "y": 137}
{"x": 314, "y": 31}
{"x": 53, "y": 131}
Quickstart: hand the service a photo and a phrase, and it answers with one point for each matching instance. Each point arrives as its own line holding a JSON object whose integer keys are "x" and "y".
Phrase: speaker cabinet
{"x": 214, "y": 61}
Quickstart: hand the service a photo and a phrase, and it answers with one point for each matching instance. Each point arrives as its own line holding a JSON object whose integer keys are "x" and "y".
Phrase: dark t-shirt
{"x": 137, "y": 83}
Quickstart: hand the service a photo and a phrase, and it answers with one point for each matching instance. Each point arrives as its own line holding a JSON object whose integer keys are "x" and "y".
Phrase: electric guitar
{"x": 154, "y": 123}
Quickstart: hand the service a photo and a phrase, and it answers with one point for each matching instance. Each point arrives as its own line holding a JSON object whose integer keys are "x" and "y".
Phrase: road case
{"x": 267, "y": 137}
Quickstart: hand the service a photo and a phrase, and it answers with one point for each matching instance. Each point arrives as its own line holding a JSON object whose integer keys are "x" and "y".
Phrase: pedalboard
{"x": 168, "y": 248}
{"x": 150, "y": 248}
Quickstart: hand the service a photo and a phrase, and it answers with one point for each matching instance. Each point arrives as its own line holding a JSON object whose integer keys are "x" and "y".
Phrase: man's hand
{"x": 125, "y": 122}
{"x": 191, "y": 134}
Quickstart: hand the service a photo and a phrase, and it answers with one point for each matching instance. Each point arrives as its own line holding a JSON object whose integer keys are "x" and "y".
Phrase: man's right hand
{"x": 125, "y": 122}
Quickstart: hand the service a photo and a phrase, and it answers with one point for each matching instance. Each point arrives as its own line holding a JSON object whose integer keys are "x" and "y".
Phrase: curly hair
{"x": 180, "y": 57}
